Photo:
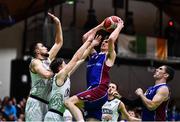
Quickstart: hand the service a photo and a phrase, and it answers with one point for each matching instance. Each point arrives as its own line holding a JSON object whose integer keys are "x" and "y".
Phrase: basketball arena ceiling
{"x": 17, "y": 10}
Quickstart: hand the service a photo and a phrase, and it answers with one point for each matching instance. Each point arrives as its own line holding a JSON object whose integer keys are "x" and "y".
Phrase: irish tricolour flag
{"x": 142, "y": 46}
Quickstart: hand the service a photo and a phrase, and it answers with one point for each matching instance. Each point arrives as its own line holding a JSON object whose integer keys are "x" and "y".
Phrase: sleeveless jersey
{"x": 41, "y": 87}
{"x": 97, "y": 70}
{"x": 110, "y": 108}
{"x": 160, "y": 113}
{"x": 58, "y": 95}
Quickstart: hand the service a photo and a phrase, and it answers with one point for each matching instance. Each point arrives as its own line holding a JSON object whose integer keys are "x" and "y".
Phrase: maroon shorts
{"x": 93, "y": 94}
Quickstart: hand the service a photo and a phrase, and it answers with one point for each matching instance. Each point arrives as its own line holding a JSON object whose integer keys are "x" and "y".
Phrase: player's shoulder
{"x": 163, "y": 88}
{"x": 35, "y": 62}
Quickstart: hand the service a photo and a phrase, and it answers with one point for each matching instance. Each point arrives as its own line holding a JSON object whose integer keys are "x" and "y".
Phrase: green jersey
{"x": 58, "y": 95}
{"x": 40, "y": 86}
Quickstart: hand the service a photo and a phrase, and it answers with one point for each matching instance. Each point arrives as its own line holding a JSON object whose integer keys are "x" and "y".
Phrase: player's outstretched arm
{"x": 111, "y": 40}
{"x": 125, "y": 114}
{"x": 94, "y": 43}
{"x": 62, "y": 74}
{"x": 90, "y": 35}
{"x": 58, "y": 38}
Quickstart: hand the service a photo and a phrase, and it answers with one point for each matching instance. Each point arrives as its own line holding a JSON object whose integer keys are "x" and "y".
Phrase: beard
{"x": 45, "y": 55}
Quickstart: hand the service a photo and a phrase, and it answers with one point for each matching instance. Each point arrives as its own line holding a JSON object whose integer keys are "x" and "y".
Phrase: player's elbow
{"x": 67, "y": 103}
{"x": 84, "y": 38}
{"x": 112, "y": 38}
{"x": 59, "y": 42}
{"x": 48, "y": 75}
{"x": 151, "y": 107}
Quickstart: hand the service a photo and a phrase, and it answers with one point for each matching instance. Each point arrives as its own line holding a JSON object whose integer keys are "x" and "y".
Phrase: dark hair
{"x": 32, "y": 49}
{"x": 171, "y": 72}
{"x": 103, "y": 33}
{"x": 117, "y": 87}
{"x": 54, "y": 66}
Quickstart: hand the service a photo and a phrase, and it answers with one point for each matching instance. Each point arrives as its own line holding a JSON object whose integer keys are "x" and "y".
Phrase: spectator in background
{"x": 21, "y": 118}
{"x": 2, "y": 118}
{"x": 10, "y": 110}
{"x": 0, "y": 102}
{"x": 14, "y": 101}
{"x": 5, "y": 100}
{"x": 135, "y": 112}
{"x": 20, "y": 107}
{"x": 132, "y": 112}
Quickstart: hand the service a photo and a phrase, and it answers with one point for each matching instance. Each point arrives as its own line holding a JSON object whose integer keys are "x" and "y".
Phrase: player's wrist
{"x": 57, "y": 23}
{"x": 141, "y": 95}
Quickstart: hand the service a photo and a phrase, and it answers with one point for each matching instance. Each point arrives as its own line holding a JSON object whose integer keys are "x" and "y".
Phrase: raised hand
{"x": 107, "y": 117}
{"x": 121, "y": 23}
{"x": 116, "y": 94}
{"x": 90, "y": 35}
{"x": 96, "y": 40}
{"x": 55, "y": 19}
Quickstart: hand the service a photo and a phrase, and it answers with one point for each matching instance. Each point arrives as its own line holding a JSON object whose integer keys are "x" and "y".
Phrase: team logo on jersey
{"x": 98, "y": 64}
{"x": 116, "y": 101}
{"x": 67, "y": 92}
{"x": 87, "y": 96}
{"x": 82, "y": 98}
{"x": 95, "y": 56}
{"x": 56, "y": 100}
{"x": 107, "y": 111}
{"x": 108, "y": 104}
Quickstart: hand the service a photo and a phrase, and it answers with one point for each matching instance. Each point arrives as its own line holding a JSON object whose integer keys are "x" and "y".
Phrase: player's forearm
{"x": 47, "y": 74}
{"x": 134, "y": 119}
{"x": 75, "y": 61}
{"x": 82, "y": 49}
{"x": 87, "y": 52}
{"x": 59, "y": 34}
{"x": 114, "y": 35}
{"x": 148, "y": 103}
{"x": 91, "y": 33}
{"x": 98, "y": 27}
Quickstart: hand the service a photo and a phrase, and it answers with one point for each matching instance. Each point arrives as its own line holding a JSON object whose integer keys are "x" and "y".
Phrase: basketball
{"x": 110, "y": 23}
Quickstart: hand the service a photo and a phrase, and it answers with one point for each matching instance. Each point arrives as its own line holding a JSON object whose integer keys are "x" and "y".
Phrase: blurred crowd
{"x": 11, "y": 110}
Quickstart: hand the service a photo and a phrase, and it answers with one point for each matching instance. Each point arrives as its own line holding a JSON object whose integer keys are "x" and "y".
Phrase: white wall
{"x": 11, "y": 37}
{"x": 10, "y": 47}
{"x": 5, "y": 63}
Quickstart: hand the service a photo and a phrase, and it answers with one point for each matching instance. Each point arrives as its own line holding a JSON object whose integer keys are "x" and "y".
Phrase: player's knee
{"x": 71, "y": 101}
{"x": 67, "y": 103}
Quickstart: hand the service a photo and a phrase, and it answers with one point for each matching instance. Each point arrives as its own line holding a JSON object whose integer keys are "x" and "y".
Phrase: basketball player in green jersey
{"x": 61, "y": 81}
{"x": 36, "y": 106}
